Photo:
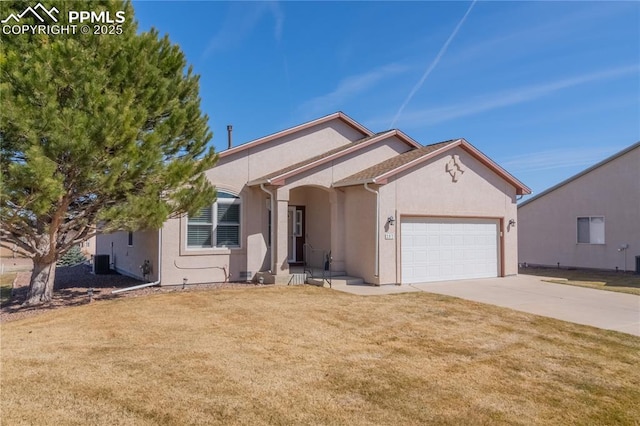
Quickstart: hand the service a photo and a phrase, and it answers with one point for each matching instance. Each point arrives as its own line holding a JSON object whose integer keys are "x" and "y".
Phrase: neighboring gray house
{"x": 388, "y": 209}
{"x": 591, "y": 220}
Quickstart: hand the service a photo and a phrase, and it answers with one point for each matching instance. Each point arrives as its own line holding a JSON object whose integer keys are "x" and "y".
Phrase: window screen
{"x": 217, "y": 225}
{"x": 199, "y": 229}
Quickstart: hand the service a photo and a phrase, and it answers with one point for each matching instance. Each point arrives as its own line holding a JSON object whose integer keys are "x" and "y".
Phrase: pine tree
{"x": 72, "y": 257}
{"x": 95, "y": 130}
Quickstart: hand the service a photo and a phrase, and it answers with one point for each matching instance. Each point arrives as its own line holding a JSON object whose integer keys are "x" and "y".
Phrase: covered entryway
{"x": 308, "y": 226}
{"x": 441, "y": 249}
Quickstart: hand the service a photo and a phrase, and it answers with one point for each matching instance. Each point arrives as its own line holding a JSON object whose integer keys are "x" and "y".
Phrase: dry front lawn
{"x": 6, "y": 283}
{"x": 622, "y": 282}
{"x": 308, "y": 355}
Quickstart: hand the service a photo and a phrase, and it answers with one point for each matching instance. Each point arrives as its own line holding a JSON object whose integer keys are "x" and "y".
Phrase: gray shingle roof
{"x": 267, "y": 178}
{"x": 369, "y": 174}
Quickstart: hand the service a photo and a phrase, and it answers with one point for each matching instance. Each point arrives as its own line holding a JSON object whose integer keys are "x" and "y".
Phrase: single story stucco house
{"x": 378, "y": 206}
{"x": 591, "y": 220}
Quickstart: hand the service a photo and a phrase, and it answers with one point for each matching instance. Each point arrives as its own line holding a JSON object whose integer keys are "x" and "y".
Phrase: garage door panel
{"x": 439, "y": 249}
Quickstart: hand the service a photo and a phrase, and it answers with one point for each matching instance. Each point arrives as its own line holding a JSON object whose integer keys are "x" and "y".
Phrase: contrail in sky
{"x": 435, "y": 62}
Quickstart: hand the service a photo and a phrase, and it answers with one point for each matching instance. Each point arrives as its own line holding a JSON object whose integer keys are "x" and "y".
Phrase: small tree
{"x": 95, "y": 128}
{"x": 72, "y": 257}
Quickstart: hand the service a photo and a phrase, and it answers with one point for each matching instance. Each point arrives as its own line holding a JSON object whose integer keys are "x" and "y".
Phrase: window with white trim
{"x": 591, "y": 230}
{"x": 217, "y": 225}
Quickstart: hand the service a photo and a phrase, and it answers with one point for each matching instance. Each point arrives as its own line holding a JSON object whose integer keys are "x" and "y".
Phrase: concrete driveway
{"x": 526, "y": 293}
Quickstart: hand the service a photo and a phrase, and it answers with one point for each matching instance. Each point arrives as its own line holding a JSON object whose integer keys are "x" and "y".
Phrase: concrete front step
{"x": 336, "y": 280}
{"x": 317, "y": 273}
{"x": 299, "y": 277}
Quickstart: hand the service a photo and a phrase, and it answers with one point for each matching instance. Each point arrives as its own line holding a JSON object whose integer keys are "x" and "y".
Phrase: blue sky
{"x": 546, "y": 89}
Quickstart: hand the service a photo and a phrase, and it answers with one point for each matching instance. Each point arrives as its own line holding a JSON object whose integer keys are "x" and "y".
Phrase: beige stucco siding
{"x": 430, "y": 191}
{"x": 127, "y": 259}
{"x": 328, "y": 222}
{"x": 548, "y": 225}
{"x": 261, "y": 160}
{"x": 342, "y": 167}
{"x": 359, "y": 233}
{"x": 231, "y": 174}
{"x": 218, "y": 264}
{"x": 338, "y": 219}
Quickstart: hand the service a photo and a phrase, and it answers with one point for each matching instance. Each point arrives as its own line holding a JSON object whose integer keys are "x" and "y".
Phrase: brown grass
{"x": 308, "y": 355}
{"x": 6, "y": 284}
{"x": 622, "y": 282}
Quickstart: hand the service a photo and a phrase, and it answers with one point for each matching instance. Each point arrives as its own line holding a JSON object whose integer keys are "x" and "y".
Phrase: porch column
{"x": 281, "y": 243}
{"x": 336, "y": 199}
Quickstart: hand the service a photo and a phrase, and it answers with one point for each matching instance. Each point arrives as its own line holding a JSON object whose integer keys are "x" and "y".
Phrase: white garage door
{"x": 436, "y": 249}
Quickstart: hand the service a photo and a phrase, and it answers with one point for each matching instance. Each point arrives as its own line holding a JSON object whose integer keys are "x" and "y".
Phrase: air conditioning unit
{"x": 101, "y": 264}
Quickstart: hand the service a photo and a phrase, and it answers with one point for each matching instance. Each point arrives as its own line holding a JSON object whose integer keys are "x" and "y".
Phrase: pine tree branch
{"x": 15, "y": 238}
{"x": 82, "y": 236}
{"x": 87, "y": 215}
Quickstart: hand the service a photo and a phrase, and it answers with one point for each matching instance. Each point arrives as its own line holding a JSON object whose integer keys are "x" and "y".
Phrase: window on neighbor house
{"x": 217, "y": 225}
{"x": 130, "y": 239}
{"x": 591, "y": 230}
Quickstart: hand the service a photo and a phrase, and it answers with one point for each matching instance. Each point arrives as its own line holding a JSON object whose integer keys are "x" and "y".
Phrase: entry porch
{"x": 305, "y": 236}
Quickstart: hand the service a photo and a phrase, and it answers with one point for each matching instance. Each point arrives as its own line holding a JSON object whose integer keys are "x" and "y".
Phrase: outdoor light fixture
{"x": 391, "y": 220}
{"x": 512, "y": 222}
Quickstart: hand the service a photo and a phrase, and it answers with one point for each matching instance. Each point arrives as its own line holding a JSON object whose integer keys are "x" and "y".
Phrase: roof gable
{"x": 382, "y": 172}
{"x": 278, "y": 177}
{"x": 582, "y": 173}
{"x": 292, "y": 130}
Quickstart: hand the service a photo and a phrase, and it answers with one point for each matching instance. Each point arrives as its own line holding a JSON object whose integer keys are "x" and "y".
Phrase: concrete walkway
{"x": 598, "y": 308}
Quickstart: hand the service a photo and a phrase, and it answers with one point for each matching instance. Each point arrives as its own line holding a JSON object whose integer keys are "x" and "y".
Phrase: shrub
{"x": 72, "y": 257}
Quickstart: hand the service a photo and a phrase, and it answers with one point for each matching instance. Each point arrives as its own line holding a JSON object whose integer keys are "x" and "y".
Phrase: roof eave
{"x": 259, "y": 182}
{"x": 385, "y": 176}
{"x": 521, "y": 188}
{"x": 281, "y": 178}
{"x": 408, "y": 138}
{"x": 354, "y": 183}
{"x": 582, "y": 173}
{"x": 257, "y": 142}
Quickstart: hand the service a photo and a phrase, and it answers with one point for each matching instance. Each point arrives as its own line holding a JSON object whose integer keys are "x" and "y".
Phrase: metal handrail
{"x": 309, "y": 255}
{"x": 327, "y": 268}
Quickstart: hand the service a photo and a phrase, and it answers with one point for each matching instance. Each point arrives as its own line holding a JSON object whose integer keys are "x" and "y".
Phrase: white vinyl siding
{"x": 591, "y": 230}
{"x": 217, "y": 225}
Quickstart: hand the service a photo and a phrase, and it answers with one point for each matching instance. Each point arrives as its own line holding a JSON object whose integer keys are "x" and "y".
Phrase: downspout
{"x": 136, "y": 287}
{"x": 377, "y": 268}
{"x": 272, "y": 236}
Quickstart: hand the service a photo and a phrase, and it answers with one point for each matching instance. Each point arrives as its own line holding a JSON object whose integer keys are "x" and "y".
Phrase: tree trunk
{"x": 41, "y": 285}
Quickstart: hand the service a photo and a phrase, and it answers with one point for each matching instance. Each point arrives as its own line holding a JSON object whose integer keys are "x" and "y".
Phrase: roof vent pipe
{"x": 229, "y": 131}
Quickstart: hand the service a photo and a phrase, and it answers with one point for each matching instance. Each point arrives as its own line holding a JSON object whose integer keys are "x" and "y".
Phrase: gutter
{"x": 273, "y": 240}
{"x": 377, "y": 266}
{"x": 136, "y": 287}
